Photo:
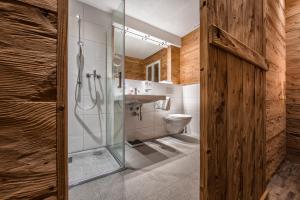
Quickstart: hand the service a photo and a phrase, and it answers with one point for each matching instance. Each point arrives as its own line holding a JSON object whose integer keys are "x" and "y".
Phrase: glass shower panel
{"x": 115, "y": 88}
{"x": 95, "y": 90}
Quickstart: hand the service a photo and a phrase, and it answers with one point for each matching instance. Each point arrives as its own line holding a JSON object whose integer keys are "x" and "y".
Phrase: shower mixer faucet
{"x": 94, "y": 74}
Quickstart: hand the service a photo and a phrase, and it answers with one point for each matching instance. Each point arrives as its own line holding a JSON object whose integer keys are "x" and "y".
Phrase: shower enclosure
{"x": 95, "y": 89}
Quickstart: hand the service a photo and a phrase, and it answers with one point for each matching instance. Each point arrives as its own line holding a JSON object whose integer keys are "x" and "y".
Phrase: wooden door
{"x": 32, "y": 99}
{"x": 233, "y": 81}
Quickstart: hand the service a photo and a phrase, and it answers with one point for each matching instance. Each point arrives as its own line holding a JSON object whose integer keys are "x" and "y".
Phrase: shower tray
{"x": 90, "y": 165}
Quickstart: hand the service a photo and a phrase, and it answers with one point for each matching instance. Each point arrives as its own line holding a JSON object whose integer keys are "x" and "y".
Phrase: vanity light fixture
{"x": 140, "y": 35}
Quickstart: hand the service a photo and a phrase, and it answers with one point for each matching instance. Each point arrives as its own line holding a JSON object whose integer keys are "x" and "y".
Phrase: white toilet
{"x": 177, "y": 122}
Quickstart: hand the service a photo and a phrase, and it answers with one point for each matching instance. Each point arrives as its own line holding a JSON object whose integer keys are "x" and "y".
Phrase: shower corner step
{"x": 134, "y": 143}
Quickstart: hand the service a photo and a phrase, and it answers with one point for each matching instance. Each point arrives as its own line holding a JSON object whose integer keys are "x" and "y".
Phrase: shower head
{"x": 79, "y": 32}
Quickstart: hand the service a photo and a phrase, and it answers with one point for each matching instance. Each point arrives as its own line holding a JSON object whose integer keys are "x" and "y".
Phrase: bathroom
{"x": 133, "y": 98}
{"x": 104, "y": 99}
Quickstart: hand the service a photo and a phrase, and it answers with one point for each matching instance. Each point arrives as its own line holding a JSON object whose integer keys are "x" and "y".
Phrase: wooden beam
{"x": 225, "y": 41}
{"x": 62, "y": 100}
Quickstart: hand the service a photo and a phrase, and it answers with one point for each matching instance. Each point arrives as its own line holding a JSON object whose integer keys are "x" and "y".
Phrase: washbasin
{"x": 141, "y": 99}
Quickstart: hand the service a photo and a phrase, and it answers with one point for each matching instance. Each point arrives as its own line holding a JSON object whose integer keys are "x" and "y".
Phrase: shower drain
{"x": 97, "y": 153}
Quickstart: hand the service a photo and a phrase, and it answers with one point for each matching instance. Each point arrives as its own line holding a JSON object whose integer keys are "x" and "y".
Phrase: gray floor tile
{"x": 162, "y": 169}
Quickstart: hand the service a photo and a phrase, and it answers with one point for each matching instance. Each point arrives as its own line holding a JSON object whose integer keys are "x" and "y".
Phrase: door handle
{"x": 120, "y": 79}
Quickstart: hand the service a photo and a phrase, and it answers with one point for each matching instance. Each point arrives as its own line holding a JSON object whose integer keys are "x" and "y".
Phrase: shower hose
{"x": 79, "y": 83}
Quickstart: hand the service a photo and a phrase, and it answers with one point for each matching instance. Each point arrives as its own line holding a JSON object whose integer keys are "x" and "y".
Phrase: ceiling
{"x": 138, "y": 48}
{"x": 178, "y": 17}
{"x": 105, "y": 5}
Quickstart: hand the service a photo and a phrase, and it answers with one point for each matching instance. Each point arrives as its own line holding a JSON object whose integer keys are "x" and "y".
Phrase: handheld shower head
{"x": 80, "y": 53}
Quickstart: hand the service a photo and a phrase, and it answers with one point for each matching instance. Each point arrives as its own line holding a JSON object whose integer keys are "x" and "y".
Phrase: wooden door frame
{"x": 62, "y": 100}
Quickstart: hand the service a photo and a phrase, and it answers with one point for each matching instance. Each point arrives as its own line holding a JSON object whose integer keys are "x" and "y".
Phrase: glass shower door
{"x": 115, "y": 88}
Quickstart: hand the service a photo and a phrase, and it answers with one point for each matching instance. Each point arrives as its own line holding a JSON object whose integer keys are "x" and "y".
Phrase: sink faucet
{"x": 147, "y": 89}
{"x": 135, "y": 91}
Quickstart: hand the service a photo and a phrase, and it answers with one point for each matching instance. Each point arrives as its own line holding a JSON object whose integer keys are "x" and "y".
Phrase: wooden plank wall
{"x": 175, "y": 64}
{"x": 233, "y": 93}
{"x": 293, "y": 76}
{"x": 134, "y": 69}
{"x": 189, "y": 58}
{"x": 28, "y": 99}
{"x": 275, "y": 92}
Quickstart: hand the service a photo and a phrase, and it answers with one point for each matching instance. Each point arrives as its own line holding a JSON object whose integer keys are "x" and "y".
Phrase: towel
{"x": 163, "y": 104}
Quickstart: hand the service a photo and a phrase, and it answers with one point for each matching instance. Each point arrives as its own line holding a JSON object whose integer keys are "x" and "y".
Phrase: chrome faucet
{"x": 94, "y": 74}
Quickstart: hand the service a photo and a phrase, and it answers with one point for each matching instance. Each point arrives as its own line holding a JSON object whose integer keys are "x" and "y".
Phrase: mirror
{"x": 148, "y": 58}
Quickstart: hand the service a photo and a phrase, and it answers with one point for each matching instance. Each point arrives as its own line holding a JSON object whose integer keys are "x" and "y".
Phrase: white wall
{"x": 191, "y": 106}
{"x": 152, "y": 124}
{"x": 86, "y": 129}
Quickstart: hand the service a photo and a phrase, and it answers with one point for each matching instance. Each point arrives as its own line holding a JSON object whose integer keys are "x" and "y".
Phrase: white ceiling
{"x": 138, "y": 48}
{"x": 105, "y": 5}
{"x": 178, "y": 17}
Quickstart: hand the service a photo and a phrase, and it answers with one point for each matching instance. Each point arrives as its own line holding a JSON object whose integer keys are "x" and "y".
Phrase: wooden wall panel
{"x": 293, "y": 76}
{"x": 189, "y": 58}
{"x": 28, "y": 150}
{"x": 28, "y": 41}
{"x": 275, "y": 91}
{"x": 44, "y": 4}
{"x": 134, "y": 69}
{"x": 276, "y": 152}
{"x": 28, "y": 100}
{"x": 233, "y": 107}
{"x": 175, "y": 64}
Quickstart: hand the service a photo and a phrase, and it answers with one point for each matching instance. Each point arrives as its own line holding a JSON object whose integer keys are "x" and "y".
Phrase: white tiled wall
{"x": 191, "y": 106}
{"x": 152, "y": 124}
{"x": 87, "y": 127}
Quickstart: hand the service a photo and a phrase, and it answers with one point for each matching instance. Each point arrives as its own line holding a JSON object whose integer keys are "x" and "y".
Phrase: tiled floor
{"x": 285, "y": 184}
{"x": 162, "y": 169}
{"x": 91, "y": 164}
